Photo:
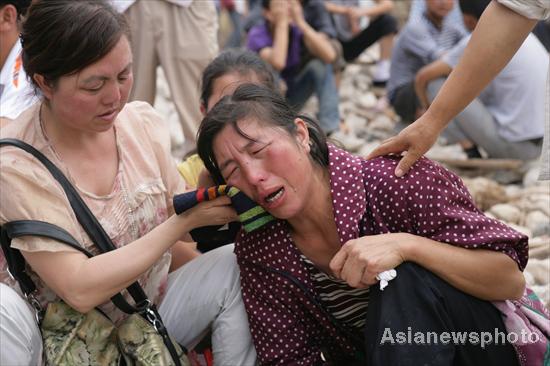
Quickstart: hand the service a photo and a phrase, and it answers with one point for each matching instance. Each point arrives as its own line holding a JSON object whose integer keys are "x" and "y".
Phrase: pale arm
{"x": 336, "y": 9}
{"x": 4, "y": 121}
{"x": 381, "y": 7}
{"x": 435, "y": 70}
{"x": 85, "y": 283}
{"x": 276, "y": 55}
{"x": 498, "y": 35}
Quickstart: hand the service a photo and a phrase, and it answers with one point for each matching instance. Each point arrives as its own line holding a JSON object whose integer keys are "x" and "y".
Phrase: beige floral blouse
{"x": 141, "y": 197}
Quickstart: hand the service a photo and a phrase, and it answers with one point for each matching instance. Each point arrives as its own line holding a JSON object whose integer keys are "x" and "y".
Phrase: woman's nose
{"x": 254, "y": 173}
{"x": 112, "y": 96}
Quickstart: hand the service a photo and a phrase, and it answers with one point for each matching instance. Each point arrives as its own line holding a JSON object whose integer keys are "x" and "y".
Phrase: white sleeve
{"x": 532, "y": 9}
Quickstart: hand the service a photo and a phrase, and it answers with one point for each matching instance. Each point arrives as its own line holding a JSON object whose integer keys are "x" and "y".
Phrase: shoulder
{"x": 140, "y": 121}
{"x": 378, "y": 174}
{"x": 259, "y": 31}
{"x": 259, "y": 37}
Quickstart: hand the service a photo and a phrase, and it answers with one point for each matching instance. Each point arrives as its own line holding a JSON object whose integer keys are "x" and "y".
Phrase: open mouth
{"x": 271, "y": 198}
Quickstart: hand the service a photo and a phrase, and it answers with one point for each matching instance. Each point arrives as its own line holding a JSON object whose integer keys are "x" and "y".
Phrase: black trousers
{"x": 383, "y": 25}
{"x": 405, "y": 102}
{"x": 420, "y": 305}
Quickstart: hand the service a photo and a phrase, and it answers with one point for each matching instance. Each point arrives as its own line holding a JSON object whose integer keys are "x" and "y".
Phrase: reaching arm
{"x": 498, "y": 35}
{"x": 276, "y": 55}
{"x": 426, "y": 74}
{"x": 87, "y": 282}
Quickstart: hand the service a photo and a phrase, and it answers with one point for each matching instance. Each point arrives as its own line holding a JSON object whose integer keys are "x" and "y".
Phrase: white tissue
{"x": 385, "y": 277}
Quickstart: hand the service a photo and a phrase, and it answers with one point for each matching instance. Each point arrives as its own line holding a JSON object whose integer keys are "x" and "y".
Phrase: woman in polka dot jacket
{"x": 308, "y": 276}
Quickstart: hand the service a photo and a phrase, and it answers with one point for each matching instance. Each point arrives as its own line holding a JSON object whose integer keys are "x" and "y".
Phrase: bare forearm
{"x": 425, "y": 75}
{"x": 335, "y": 8}
{"x": 382, "y": 7}
{"x": 498, "y": 35}
{"x": 280, "y": 46}
{"x": 85, "y": 283}
{"x": 488, "y": 275}
{"x": 317, "y": 43}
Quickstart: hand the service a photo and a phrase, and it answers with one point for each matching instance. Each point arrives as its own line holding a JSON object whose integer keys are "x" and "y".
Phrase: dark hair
{"x": 61, "y": 37}
{"x": 473, "y": 8}
{"x": 20, "y": 5}
{"x": 243, "y": 62}
{"x": 265, "y": 4}
{"x": 269, "y": 107}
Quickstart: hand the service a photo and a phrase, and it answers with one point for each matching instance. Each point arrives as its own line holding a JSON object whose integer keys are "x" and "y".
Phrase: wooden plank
{"x": 489, "y": 164}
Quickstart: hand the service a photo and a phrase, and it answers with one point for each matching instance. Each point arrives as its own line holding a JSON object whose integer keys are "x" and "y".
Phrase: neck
{"x": 436, "y": 20}
{"x": 7, "y": 41}
{"x": 313, "y": 219}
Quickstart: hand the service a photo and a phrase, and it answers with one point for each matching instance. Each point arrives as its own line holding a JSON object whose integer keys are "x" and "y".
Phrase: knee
{"x": 226, "y": 263}
{"x": 318, "y": 69}
{"x": 410, "y": 279}
{"x": 21, "y": 340}
{"x": 389, "y": 24}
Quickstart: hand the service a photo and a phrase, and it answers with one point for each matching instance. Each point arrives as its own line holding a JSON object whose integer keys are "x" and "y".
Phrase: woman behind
{"x": 117, "y": 156}
{"x": 307, "y": 279}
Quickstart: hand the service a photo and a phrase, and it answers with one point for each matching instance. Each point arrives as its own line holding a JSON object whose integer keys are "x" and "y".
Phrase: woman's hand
{"x": 215, "y": 212}
{"x": 412, "y": 142}
{"x": 359, "y": 261}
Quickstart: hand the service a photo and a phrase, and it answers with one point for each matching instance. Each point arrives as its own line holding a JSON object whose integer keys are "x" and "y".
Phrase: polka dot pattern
{"x": 286, "y": 325}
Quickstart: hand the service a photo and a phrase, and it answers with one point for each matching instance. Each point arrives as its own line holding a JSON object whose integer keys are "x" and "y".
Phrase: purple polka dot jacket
{"x": 287, "y": 324}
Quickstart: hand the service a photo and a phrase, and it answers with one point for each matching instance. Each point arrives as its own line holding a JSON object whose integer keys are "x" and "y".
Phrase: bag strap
{"x": 99, "y": 237}
{"x": 88, "y": 222}
{"x": 14, "y": 259}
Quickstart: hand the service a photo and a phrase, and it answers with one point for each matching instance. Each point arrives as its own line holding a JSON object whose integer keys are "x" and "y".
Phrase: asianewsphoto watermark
{"x": 482, "y": 339}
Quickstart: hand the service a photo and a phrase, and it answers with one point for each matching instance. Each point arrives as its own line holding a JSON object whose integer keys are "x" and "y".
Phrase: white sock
{"x": 382, "y": 71}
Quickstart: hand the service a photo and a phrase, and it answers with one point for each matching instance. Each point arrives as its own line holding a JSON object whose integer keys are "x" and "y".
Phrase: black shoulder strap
{"x": 14, "y": 259}
{"x": 86, "y": 219}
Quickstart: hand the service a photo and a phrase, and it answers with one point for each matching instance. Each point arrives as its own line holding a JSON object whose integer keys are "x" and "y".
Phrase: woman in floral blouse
{"x": 117, "y": 155}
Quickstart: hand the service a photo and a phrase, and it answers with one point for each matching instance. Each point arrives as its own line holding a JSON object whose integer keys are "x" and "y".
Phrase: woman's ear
{"x": 45, "y": 87}
{"x": 302, "y": 134}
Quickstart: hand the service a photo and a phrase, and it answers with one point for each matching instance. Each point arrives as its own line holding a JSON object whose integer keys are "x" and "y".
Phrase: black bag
{"x": 17, "y": 264}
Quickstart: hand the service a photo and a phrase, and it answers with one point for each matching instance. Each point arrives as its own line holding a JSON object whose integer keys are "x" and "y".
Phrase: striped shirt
{"x": 420, "y": 43}
{"x": 345, "y": 303}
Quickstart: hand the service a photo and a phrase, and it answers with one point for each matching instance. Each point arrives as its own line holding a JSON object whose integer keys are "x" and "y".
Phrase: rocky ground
{"x": 507, "y": 191}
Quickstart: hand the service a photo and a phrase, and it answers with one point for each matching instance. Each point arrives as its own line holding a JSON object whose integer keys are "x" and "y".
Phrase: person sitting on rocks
{"x": 423, "y": 40}
{"x": 310, "y": 277}
{"x": 382, "y": 27}
{"x": 287, "y": 42}
{"x": 507, "y": 119}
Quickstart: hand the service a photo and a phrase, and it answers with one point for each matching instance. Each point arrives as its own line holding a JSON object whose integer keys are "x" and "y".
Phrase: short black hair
{"x": 269, "y": 107}
{"x": 243, "y": 62}
{"x": 265, "y": 4}
{"x": 62, "y": 37}
{"x": 473, "y": 7}
{"x": 20, "y": 5}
